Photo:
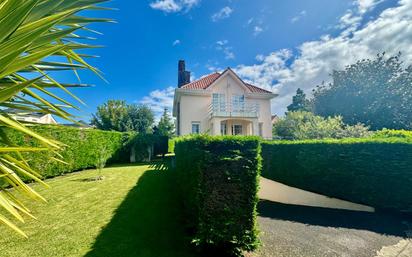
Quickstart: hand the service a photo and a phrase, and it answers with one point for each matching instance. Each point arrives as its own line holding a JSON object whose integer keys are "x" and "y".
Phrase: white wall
{"x": 194, "y": 108}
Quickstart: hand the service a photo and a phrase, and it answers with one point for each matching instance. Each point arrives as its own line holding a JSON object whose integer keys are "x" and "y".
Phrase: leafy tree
{"x": 165, "y": 126}
{"x": 111, "y": 116}
{"x": 299, "y": 102}
{"x": 119, "y": 116}
{"x": 140, "y": 118}
{"x": 33, "y": 35}
{"x": 306, "y": 125}
{"x": 375, "y": 92}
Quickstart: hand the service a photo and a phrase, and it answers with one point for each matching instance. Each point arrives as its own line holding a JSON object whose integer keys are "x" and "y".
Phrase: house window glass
{"x": 223, "y": 129}
{"x": 218, "y": 101}
{"x": 195, "y": 127}
{"x": 237, "y": 129}
{"x": 238, "y": 103}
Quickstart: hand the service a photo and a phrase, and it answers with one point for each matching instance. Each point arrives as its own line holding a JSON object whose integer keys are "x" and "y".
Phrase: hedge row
{"x": 218, "y": 178}
{"x": 83, "y": 147}
{"x": 376, "y": 172}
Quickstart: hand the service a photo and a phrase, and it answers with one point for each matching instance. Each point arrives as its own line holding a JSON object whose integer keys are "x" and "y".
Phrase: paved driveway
{"x": 302, "y": 231}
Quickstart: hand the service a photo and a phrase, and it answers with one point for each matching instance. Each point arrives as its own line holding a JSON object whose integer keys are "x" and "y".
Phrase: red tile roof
{"x": 208, "y": 80}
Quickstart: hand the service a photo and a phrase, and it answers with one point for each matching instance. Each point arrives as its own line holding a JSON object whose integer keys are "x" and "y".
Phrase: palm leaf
{"x": 31, "y": 32}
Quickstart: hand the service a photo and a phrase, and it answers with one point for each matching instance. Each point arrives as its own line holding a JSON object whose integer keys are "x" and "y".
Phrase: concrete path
{"x": 277, "y": 192}
{"x": 295, "y": 223}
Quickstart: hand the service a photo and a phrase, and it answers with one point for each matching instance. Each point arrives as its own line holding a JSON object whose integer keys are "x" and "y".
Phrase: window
{"x": 261, "y": 129}
{"x": 195, "y": 127}
{"x": 238, "y": 103}
{"x": 219, "y": 102}
{"x": 237, "y": 129}
{"x": 223, "y": 128}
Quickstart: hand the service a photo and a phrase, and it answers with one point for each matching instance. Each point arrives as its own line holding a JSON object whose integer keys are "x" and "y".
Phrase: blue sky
{"x": 277, "y": 45}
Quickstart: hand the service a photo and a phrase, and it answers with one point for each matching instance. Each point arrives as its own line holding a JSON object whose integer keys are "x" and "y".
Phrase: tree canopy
{"x": 119, "y": 116}
{"x": 165, "y": 127}
{"x": 375, "y": 92}
{"x": 299, "y": 102}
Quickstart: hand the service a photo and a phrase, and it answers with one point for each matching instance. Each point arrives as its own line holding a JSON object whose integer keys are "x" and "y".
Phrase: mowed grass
{"x": 132, "y": 212}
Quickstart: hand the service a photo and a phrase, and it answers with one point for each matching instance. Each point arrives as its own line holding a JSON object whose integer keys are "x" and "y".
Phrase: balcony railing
{"x": 242, "y": 110}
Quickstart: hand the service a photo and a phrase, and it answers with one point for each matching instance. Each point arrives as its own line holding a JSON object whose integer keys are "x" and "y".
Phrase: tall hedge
{"x": 83, "y": 146}
{"x": 218, "y": 178}
{"x": 376, "y": 172}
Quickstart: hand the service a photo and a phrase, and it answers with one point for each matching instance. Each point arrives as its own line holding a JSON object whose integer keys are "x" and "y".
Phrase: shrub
{"x": 306, "y": 125}
{"x": 172, "y": 145}
{"x": 80, "y": 150}
{"x": 376, "y": 172}
{"x": 388, "y": 133}
{"x": 83, "y": 148}
{"x": 218, "y": 178}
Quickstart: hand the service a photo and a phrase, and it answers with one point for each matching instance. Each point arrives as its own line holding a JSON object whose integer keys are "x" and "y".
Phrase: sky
{"x": 278, "y": 45}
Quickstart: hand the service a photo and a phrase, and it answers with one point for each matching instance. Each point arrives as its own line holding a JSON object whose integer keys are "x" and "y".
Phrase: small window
{"x": 195, "y": 127}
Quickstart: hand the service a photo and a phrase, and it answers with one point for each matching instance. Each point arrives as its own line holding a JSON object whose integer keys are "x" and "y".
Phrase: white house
{"x": 31, "y": 117}
{"x": 221, "y": 104}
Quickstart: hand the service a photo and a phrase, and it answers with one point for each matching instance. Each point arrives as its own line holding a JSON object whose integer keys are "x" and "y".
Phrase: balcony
{"x": 242, "y": 110}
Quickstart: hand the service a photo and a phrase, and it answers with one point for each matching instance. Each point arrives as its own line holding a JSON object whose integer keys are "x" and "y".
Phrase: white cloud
{"x": 298, "y": 17}
{"x": 257, "y": 30}
{"x": 367, "y": 5}
{"x": 222, "y": 45}
{"x": 173, "y": 6}
{"x": 158, "y": 100}
{"x": 224, "y": 13}
{"x": 176, "y": 42}
{"x": 283, "y": 72}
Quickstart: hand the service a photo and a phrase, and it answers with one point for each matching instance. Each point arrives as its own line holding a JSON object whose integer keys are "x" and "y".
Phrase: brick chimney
{"x": 183, "y": 76}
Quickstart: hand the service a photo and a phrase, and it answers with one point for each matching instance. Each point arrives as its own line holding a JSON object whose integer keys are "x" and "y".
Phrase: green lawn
{"x": 132, "y": 212}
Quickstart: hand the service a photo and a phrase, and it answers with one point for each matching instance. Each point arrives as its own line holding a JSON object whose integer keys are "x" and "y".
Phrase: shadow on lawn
{"x": 147, "y": 223}
{"x": 382, "y": 223}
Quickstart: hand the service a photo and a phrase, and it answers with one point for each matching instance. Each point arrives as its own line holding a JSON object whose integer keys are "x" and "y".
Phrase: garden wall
{"x": 375, "y": 172}
{"x": 218, "y": 178}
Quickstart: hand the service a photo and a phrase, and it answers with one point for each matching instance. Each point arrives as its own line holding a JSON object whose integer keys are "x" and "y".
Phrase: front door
{"x": 237, "y": 129}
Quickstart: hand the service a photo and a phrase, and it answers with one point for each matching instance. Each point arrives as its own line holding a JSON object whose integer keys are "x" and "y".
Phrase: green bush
{"x": 376, "y": 172}
{"x": 82, "y": 148}
{"x": 388, "y": 133}
{"x": 305, "y": 125}
{"x": 218, "y": 177}
{"x": 172, "y": 145}
{"x": 80, "y": 151}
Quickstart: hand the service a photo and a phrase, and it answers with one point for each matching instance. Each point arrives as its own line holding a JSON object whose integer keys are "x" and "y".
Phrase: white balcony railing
{"x": 242, "y": 110}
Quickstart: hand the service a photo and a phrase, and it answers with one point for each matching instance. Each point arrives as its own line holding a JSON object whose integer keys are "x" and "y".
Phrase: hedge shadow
{"x": 147, "y": 223}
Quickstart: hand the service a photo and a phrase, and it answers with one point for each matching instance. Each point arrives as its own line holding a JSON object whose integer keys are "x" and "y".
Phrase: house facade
{"x": 31, "y": 117}
{"x": 221, "y": 104}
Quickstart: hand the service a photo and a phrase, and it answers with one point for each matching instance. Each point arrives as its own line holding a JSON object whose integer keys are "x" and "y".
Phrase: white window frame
{"x": 234, "y": 129}
{"x": 196, "y": 123}
{"x": 223, "y": 128}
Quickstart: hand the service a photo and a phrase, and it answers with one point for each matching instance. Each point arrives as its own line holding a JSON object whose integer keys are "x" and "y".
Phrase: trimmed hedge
{"x": 83, "y": 146}
{"x": 376, "y": 172}
{"x": 388, "y": 133}
{"x": 218, "y": 178}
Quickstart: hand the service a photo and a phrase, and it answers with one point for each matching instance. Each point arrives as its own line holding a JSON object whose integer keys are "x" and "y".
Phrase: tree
{"x": 165, "y": 126}
{"x": 375, "y": 92}
{"x": 111, "y": 116}
{"x": 306, "y": 125}
{"x": 140, "y": 118}
{"x": 119, "y": 116}
{"x": 33, "y": 35}
{"x": 299, "y": 102}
